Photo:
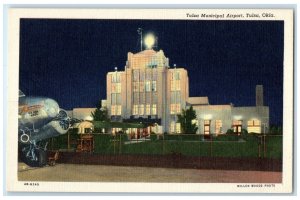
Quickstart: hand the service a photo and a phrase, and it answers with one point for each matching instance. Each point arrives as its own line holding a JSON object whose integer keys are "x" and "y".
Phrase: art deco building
{"x": 148, "y": 90}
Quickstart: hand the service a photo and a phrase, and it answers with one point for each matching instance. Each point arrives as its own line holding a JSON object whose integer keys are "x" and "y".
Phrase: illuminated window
{"x": 178, "y": 127}
{"x": 175, "y": 85}
{"x": 148, "y": 86}
{"x": 154, "y": 111}
{"x": 237, "y": 126}
{"x": 218, "y": 126}
{"x": 237, "y": 122}
{"x": 113, "y": 110}
{"x": 172, "y": 127}
{"x": 154, "y": 86}
{"x": 175, "y": 109}
{"x": 254, "y": 126}
{"x": 119, "y": 110}
{"x": 116, "y": 77}
{"x": 206, "y": 127}
{"x": 141, "y": 109}
{"x": 135, "y": 110}
{"x": 148, "y": 109}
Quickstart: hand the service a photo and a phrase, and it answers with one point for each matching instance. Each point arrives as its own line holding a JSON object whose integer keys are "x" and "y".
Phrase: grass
{"x": 189, "y": 146}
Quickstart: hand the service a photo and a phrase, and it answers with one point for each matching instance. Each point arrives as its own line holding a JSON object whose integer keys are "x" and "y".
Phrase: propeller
{"x": 65, "y": 121}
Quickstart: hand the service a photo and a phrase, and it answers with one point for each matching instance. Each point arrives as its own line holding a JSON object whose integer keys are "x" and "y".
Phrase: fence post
{"x": 114, "y": 137}
{"x": 210, "y": 146}
{"x": 163, "y": 149}
{"x": 120, "y": 144}
{"x": 264, "y": 146}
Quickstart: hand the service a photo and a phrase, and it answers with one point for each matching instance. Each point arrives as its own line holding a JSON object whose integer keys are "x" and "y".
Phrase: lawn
{"x": 246, "y": 146}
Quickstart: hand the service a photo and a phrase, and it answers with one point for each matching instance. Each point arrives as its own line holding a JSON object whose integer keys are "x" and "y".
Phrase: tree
{"x": 100, "y": 114}
{"x": 186, "y": 121}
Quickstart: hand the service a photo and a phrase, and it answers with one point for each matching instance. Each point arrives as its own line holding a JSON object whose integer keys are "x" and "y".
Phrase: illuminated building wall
{"x": 149, "y": 90}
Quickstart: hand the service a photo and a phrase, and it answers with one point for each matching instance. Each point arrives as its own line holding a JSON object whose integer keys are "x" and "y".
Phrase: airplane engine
{"x": 60, "y": 125}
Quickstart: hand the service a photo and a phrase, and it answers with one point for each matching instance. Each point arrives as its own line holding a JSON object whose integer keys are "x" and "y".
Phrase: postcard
{"x": 150, "y": 100}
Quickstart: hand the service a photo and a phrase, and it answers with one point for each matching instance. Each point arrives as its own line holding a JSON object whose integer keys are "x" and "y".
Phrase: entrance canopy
{"x": 83, "y": 125}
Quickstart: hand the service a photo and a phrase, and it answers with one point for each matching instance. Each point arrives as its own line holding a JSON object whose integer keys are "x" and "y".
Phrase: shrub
{"x": 229, "y": 131}
{"x": 227, "y": 137}
{"x": 153, "y": 137}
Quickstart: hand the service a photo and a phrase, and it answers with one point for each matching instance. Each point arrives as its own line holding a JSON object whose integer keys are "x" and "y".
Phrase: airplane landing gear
{"x": 32, "y": 155}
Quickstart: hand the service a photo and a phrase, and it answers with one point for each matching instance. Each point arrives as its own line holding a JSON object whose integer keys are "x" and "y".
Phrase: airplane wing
{"x": 21, "y": 94}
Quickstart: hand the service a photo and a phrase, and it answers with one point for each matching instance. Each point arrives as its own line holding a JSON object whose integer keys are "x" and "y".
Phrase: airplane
{"x": 39, "y": 119}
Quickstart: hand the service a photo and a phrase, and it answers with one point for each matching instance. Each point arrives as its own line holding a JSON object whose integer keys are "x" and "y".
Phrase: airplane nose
{"x": 51, "y": 107}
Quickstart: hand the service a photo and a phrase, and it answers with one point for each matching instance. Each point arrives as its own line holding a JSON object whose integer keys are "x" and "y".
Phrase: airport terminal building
{"x": 150, "y": 91}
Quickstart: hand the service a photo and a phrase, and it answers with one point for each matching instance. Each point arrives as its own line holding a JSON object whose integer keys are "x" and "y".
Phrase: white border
{"x": 13, "y": 63}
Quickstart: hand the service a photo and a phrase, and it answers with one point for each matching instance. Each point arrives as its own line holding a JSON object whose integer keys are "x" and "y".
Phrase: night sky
{"x": 67, "y": 60}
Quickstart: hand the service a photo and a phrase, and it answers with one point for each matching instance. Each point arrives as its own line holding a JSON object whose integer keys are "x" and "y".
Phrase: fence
{"x": 225, "y": 145}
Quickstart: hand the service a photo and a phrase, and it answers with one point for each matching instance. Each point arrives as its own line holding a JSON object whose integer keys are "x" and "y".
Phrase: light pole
{"x": 140, "y": 32}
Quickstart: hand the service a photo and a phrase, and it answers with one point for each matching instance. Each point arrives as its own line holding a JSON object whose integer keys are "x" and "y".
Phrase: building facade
{"x": 150, "y": 91}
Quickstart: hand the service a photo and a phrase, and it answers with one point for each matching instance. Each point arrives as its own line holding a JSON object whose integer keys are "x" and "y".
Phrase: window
{"x": 154, "y": 111}
{"x": 116, "y": 88}
{"x": 172, "y": 85}
{"x": 178, "y": 127}
{"x": 142, "y": 75}
{"x": 119, "y": 110}
{"x": 237, "y": 126}
{"x": 237, "y": 122}
{"x": 148, "y": 109}
{"x": 175, "y": 75}
{"x": 141, "y": 112}
{"x": 135, "y": 75}
{"x": 254, "y": 126}
{"x": 148, "y": 75}
{"x": 206, "y": 127}
{"x": 113, "y": 110}
{"x": 148, "y": 86}
{"x": 175, "y": 96}
{"x": 175, "y": 85}
{"x": 142, "y": 86}
{"x": 175, "y": 108}
{"x": 154, "y": 86}
{"x": 218, "y": 126}
{"x": 116, "y": 77}
{"x": 135, "y": 86}
{"x": 135, "y": 110}
{"x": 172, "y": 127}
{"x": 178, "y": 85}
{"x": 113, "y": 98}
